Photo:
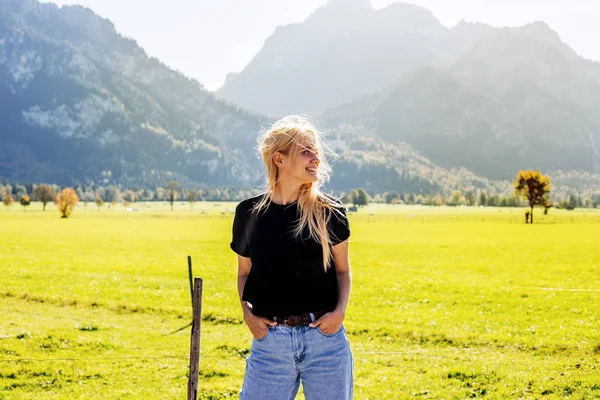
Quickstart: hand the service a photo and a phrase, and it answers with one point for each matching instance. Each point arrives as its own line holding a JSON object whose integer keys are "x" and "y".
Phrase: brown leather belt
{"x": 299, "y": 320}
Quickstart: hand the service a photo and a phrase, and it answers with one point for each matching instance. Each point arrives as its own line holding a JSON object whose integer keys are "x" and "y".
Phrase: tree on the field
{"x": 346, "y": 198}
{"x": 359, "y": 197}
{"x": 111, "y": 195}
{"x": 66, "y": 202}
{"x": 99, "y": 193}
{"x": 99, "y": 202}
{"x": 572, "y": 202}
{"x": 493, "y": 201}
{"x": 5, "y": 189}
{"x": 24, "y": 201}
{"x": 513, "y": 201}
{"x": 44, "y": 194}
{"x": 172, "y": 188}
{"x": 470, "y": 198}
{"x": 192, "y": 194}
{"x": 547, "y": 206}
{"x": 160, "y": 194}
{"x": 534, "y": 187}
{"x": 391, "y": 197}
{"x": 129, "y": 196}
{"x": 482, "y": 199}
{"x": 456, "y": 198}
{"x": 8, "y": 200}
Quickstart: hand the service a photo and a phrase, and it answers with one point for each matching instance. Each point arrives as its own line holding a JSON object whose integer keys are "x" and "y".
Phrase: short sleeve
{"x": 339, "y": 228}
{"x": 240, "y": 242}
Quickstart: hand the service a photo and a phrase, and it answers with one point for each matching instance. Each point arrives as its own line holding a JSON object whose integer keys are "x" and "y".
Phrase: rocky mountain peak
{"x": 541, "y": 32}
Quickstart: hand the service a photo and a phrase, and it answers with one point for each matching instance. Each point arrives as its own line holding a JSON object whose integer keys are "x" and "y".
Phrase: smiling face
{"x": 305, "y": 163}
{"x": 300, "y": 164}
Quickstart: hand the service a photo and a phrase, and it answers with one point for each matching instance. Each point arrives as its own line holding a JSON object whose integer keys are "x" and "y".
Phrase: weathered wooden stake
{"x": 190, "y": 275}
{"x": 195, "y": 342}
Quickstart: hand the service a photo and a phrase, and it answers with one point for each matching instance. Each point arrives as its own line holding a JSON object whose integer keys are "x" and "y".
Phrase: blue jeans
{"x": 287, "y": 356}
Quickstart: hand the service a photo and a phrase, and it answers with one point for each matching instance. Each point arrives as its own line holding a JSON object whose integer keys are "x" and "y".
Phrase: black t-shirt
{"x": 287, "y": 275}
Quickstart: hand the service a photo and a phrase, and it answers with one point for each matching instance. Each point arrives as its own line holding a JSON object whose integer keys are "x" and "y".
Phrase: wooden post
{"x": 191, "y": 279}
{"x": 195, "y": 341}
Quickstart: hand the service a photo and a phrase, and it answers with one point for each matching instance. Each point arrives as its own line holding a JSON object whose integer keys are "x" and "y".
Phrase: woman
{"x": 294, "y": 273}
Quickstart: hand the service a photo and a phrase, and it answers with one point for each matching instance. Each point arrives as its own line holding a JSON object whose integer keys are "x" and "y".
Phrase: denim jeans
{"x": 287, "y": 356}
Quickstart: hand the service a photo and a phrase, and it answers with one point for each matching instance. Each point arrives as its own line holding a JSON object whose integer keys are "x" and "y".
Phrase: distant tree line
{"x": 172, "y": 191}
{"x": 459, "y": 198}
{"x": 112, "y": 194}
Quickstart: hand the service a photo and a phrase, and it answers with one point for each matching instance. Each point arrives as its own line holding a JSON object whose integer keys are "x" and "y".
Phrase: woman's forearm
{"x": 241, "y": 284}
{"x": 344, "y": 284}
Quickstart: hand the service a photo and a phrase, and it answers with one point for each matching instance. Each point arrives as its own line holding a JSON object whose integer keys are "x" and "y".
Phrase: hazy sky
{"x": 207, "y": 39}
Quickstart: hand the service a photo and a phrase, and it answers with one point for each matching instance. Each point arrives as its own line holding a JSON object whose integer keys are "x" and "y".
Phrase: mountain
{"x": 342, "y": 50}
{"x": 483, "y": 98}
{"x": 520, "y": 98}
{"x": 550, "y": 91}
{"x": 79, "y": 102}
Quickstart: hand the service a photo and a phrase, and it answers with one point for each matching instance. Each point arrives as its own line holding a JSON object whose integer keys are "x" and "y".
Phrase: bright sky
{"x": 207, "y": 39}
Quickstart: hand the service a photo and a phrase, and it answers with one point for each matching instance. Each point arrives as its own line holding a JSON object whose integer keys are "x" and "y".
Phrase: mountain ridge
{"x": 334, "y": 48}
{"x": 81, "y": 104}
{"x": 90, "y": 90}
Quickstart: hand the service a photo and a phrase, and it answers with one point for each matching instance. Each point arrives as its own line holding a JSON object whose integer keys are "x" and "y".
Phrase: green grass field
{"x": 446, "y": 303}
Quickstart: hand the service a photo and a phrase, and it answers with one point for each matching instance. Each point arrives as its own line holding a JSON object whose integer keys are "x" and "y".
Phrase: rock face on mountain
{"x": 78, "y": 102}
{"x": 343, "y": 49}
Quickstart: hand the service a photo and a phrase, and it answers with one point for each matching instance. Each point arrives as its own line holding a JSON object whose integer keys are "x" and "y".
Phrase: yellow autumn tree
{"x": 8, "y": 200}
{"x": 66, "y": 202}
{"x": 533, "y": 187}
{"x": 99, "y": 202}
{"x": 24, "y": 201}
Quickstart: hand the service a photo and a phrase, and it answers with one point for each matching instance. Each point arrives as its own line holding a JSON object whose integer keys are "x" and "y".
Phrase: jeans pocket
{"x": 264, "y": 337}
{"x": 331, "y": 334}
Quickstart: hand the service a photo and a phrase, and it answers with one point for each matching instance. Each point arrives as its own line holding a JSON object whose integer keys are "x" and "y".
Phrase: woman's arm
{"x": 258, "y": 326}
{"x": 341, "y": 260}
{"x": 331, "y": 322}
{"x": 244, "y": 266}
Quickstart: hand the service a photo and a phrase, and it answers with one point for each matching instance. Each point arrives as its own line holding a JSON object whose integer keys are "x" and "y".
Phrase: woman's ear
{"x": 278, "y": 159}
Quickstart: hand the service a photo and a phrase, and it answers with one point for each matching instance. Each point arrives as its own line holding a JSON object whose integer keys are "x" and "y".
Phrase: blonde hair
{"x": 288, "y": 135}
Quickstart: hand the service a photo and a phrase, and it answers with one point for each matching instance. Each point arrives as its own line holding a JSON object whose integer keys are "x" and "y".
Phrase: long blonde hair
{"x": 286, "y": 136}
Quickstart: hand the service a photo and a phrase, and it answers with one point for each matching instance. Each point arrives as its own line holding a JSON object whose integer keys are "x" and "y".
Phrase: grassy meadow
{"x": 447, "y": 303}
